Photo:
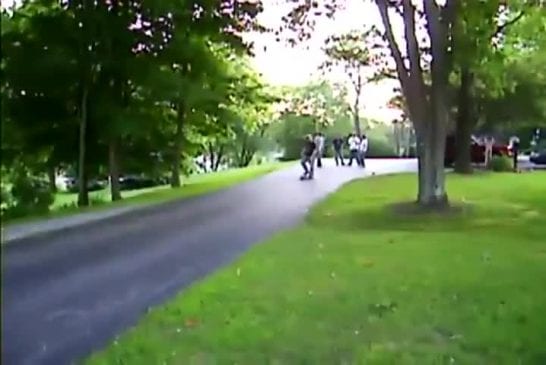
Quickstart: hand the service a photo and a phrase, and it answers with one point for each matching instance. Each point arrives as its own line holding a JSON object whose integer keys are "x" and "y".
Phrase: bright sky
{"x": 281, "y": 64}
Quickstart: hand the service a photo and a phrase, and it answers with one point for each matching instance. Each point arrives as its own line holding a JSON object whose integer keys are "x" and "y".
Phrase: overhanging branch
{"x": 502, "y": 27}
{"x": 395, "y": 50}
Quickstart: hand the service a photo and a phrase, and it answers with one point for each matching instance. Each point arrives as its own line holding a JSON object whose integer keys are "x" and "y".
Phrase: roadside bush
{"x": 6, "y": 199}
{"x": 500, "y": 164}
{"x": 380, "y": 148}
{"x": 29, "y": 196}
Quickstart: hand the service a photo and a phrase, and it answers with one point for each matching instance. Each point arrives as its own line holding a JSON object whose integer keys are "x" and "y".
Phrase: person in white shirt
{"x": 489, "y": 143}
{"x": 514, "y": 148}
{"x": 319, "y": 142}
{"x": 354, "y": 145}
{"x": 362, "y": 149}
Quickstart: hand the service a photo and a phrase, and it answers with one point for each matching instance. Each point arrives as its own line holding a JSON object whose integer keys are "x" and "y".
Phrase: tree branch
{"x": 395, "y": 50}
{"x": 411, "y": 42}
{"x": 502, "y": 27}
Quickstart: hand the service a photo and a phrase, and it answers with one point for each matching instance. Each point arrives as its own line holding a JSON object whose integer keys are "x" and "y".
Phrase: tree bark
{"x": 83, "y": 193}
{"x": 113, "y": 165}
{"x": 177, "y": 153}
{"x": 356, "y": 113}
{"x": 464, "y": 124}
{"x": 212, "y": 156}
{"x": 427, "y": 105}
{"x": 430, "y": 149}
{"x": 219, "y": 156}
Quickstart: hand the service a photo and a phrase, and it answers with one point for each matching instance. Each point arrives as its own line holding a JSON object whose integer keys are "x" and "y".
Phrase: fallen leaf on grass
{"x": 191, "y": 322}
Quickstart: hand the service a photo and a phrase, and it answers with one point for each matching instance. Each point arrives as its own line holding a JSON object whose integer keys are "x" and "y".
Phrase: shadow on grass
{"x": 382, "y": 208}
{"x": 466, "y": 217}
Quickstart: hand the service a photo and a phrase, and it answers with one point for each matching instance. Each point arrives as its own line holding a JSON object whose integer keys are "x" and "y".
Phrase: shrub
{"x": 380, "y": 147}
{"x": 29, "y": 196}
{"x": 500, "y": 164}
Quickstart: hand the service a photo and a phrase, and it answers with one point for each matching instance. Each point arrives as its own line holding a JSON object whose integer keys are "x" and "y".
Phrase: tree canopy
{"x": 110, "y": 88}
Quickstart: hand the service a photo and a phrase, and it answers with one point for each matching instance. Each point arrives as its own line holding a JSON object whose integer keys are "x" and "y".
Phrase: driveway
{"x": 71, "y": 291}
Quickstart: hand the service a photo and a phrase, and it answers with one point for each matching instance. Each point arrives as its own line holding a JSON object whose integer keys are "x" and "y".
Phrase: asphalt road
{"x": 69, "y": 292}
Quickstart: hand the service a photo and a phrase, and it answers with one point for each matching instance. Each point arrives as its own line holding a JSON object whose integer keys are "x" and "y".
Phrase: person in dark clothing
{"x": 337, "y": 143}
{"x": 307, "y": 152}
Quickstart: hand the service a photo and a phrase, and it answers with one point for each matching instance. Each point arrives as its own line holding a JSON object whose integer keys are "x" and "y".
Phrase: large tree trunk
{"x": 431, "y": 142}
{"x": 464, "y": 124}
{"x": 83, "y": 193}
{"x": 113, "y": 166}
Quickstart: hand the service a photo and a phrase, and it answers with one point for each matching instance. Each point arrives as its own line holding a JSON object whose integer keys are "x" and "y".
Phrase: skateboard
{"x": 305, "y": 177}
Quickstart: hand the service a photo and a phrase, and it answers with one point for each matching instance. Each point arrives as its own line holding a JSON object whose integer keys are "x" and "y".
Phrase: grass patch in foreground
{"x": 360, "y": 284}
{"x": 65, "y": 203}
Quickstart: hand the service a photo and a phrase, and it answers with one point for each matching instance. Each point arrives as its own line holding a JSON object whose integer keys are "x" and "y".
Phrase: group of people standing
{"x": 313, "y": 151}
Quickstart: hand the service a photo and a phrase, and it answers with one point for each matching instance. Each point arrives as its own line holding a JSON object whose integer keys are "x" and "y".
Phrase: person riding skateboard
{"x": 307, "y": 152}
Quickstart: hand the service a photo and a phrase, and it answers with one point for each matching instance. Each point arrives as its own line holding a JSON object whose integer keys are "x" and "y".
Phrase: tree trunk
{"x": 83, "y": 193}
{"x": 219, "y": 156}
{"x": 113, "y": 165}
{"x": 356, "y": 115}
{"x": 431, "y": 142}
{"x": 212, "y": 156}
{"x": 464, "y": 124}
{"x": 175, "y": 168}
{"x": 52, "y": 177}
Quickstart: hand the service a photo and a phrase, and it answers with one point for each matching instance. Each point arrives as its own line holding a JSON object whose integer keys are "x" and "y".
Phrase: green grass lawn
{"x": 358, "y": 283}
{"x": 65, "y": 203}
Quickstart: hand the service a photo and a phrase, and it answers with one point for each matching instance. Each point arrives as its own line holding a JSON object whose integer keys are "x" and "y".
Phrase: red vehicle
{"x": 477, "y": 150}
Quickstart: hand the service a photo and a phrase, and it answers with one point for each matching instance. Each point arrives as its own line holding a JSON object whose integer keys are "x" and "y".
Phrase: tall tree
{"x": 356, "y": 53}
{"x": 423, "y": 71}
{"x": 479, "y": 60}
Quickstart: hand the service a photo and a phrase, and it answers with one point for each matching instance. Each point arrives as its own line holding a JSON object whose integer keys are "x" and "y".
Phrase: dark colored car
{"x": 92, "y": 184}
{"x": 477, "y": 150}
{"x": 133, "y": 182}
{"x": 538, "y": 158}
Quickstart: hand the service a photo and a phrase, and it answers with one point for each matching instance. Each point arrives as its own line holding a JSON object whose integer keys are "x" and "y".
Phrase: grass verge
{"x": 65, "y": 203}
{"x": 361, "y": 284}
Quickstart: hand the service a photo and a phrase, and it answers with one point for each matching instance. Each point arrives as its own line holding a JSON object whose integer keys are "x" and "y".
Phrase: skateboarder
{"x": 309, "y": 147}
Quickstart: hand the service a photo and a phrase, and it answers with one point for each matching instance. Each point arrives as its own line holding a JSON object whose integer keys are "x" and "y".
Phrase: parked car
{"x": 92, "y": 184}
{"x": 538, "y": 158}
{"x": 133, "y": 182}
{"x": 477, "y": 150}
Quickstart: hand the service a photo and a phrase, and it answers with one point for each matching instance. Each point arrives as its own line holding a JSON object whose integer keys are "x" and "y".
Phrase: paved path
{"x": 69, "y": 292}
